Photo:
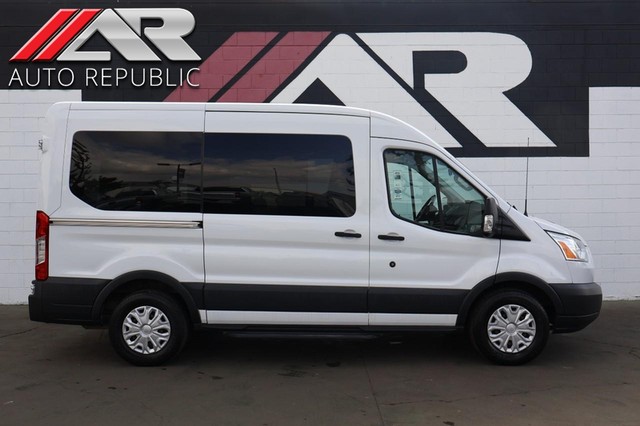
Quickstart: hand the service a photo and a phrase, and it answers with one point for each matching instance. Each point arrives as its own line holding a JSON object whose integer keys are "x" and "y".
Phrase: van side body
{"x": 242, "y": 216}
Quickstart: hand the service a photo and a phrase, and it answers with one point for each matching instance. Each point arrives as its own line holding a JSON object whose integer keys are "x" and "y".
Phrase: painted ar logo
{"x": 378, "y": 71}
{"x": 69, "y": 29}
{"x": 457, "y": 97}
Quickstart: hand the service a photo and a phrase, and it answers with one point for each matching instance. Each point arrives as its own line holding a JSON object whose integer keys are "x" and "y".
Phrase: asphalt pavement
{"x": 67, "y": 375}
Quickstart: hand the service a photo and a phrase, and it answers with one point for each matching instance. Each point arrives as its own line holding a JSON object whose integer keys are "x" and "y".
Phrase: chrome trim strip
{"x": 284, "y": 318}
{"x": 124, "y": 223}
{"x": 413, "y": 319}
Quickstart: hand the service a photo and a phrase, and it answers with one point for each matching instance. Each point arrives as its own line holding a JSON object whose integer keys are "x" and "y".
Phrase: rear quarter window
{"x": 137, "y": 171}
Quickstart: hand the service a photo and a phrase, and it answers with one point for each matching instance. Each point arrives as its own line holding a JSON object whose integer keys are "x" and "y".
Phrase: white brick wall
{"x": 21, "y": 117}
{"x": 597, "y": 196}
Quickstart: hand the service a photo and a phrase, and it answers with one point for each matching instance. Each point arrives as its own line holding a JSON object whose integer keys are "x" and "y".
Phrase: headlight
{"x": 572, "y": 248}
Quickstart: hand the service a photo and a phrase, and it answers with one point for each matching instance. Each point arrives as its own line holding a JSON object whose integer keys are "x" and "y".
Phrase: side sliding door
{"x": 286, "y": 218}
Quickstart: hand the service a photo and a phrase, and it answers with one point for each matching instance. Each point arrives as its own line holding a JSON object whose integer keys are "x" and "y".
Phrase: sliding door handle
{"x": 390, "y": 237}
{"x": 348, "y": 234}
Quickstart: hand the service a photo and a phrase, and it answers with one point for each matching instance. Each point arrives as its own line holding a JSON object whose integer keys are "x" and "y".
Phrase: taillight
{"x": 42, "y": 246}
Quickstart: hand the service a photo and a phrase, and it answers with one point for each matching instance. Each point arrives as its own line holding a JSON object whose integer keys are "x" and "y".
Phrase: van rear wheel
{"x": 509, "y": 327}
{"x": 148, "y": 328}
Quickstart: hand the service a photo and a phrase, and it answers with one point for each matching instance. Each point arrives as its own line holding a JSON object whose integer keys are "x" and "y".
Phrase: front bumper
{"x": 580, "y": 306}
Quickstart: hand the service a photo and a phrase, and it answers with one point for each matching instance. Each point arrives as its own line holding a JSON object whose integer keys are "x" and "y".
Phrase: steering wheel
{"x": 424, "y": 211}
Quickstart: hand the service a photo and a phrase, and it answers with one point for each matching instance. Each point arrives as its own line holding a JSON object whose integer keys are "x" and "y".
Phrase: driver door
{"x": 427, "y": 248}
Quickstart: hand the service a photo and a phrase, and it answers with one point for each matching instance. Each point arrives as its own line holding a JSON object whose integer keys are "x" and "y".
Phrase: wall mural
{"x": 482, "y": 79}
{"x": 413, "y": 76}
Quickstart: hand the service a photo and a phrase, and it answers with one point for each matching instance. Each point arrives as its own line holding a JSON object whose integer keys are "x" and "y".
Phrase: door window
{"x": 279, "y": 174}
{"x": 424, "y": 190}
{"x": 412, "y": 186}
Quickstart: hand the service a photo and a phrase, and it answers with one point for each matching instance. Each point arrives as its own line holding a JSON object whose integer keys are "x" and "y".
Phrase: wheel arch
{"x": 187, "y": 295}
{"x": 531, "y": 284}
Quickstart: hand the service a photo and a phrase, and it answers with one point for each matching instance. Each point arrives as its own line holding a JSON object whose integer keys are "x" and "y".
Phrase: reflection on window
{"x": 412, "y": 187}
{"x": 140, "y": 171}
{"x": 278, "y": 174}
{"x": 462, "y": 204}
{"x": 436, "y": 197}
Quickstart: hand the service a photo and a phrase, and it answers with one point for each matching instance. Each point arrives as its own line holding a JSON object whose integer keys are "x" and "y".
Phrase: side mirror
{"x": 490, "y": 217}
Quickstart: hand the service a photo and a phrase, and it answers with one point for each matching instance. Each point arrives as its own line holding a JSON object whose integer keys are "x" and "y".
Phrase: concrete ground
{"x": 66, "y": 375}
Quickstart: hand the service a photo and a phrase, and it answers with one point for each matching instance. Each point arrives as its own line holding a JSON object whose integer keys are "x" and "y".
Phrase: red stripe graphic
{"x": 222, "y": 66}
{"x": 67, "y": 34}
{"x": 274, "y": 67}
{"x": 43, "y": 35}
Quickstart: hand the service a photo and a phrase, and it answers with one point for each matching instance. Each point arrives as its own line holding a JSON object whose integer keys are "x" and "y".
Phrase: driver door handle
{"x": 390, "y": 237}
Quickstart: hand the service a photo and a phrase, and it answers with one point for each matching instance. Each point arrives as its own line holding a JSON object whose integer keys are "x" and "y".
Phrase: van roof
{"x": 382, "y": 125}
{"x": 215, "y": 106}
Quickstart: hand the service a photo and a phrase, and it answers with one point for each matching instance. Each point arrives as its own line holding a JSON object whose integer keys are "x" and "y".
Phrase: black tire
{"x": 517, "y": 346}
{"x": 163, "y": 313}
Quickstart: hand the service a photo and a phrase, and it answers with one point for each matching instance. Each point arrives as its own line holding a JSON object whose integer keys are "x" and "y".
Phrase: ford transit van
{"x": 155, "y": 218}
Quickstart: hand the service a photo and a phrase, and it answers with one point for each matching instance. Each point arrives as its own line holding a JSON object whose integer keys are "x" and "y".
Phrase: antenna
{"x": 526, "y": 183}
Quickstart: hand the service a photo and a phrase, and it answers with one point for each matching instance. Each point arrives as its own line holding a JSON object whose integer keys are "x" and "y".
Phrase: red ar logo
{"x": 68, "y": 30}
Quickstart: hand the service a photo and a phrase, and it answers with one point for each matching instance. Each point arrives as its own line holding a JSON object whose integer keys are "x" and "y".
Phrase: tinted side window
{"x": 278, "y": 174}
{"x": 140, "y": 171}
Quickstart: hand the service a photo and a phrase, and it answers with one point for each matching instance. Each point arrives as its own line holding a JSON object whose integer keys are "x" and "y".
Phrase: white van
{"x": 158, "y": 217}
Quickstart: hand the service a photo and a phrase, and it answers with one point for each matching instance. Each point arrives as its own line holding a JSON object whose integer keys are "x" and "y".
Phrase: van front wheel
{"x": 148, "y": 328}
{"x": 509, "y": 327}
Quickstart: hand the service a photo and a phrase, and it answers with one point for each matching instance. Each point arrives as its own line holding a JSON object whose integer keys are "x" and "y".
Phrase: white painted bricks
{"x": 21, "y": 116}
